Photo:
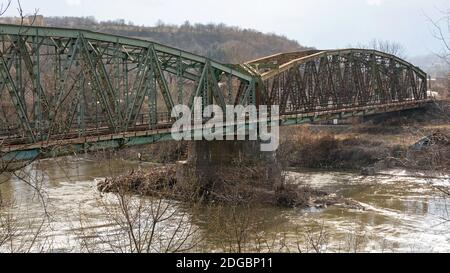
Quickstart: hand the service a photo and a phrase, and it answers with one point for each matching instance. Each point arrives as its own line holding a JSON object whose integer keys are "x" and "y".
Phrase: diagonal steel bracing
{"x": 57, "y": 84}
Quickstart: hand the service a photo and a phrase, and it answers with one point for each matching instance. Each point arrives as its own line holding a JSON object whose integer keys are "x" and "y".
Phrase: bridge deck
{"x": 142, "y": 135}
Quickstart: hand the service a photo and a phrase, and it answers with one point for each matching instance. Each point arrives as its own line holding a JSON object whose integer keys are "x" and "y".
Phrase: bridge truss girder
{"x": 77, "y": 87}
{"x": 329, "y": 80}
{"x": 56, "y": 82}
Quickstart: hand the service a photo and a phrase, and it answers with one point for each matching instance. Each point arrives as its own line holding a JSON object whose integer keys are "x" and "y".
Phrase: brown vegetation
{"x": 309, "y": 148}
{"x": 136, "y": 224}
{"x": 218, "y": 41}
{"x": 383, "y": 140}
{"x": 431, "y": 153}
{"x": 163, "y": 152}
{"x": 248, "y": 190}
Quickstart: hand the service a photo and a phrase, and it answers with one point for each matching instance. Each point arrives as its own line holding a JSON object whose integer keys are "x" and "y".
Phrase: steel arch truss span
{"x": 81, "y": 89}
{"x": 59, "y": 83}
{"x": 315, "y": 81}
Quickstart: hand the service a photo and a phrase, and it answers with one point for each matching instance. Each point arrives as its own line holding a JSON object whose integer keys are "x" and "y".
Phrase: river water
{"x": 402, "y": 213}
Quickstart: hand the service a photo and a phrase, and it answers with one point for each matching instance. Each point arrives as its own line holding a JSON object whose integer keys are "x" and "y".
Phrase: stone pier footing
{"x": 223, "y": 166}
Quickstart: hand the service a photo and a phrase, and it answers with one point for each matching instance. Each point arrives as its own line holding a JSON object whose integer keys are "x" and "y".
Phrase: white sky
{"x": 321, "y": 23}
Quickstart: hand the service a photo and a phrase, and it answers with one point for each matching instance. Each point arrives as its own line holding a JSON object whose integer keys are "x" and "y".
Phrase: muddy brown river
{"x": 402, "y": 213}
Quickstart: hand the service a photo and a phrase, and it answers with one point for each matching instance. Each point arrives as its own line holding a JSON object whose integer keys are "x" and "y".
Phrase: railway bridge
{"x": 70, "y": 90}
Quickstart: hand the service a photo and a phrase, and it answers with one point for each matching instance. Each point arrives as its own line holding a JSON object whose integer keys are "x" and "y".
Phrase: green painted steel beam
{"x": 6, "y": 77}
{"x": 90, "y": 35}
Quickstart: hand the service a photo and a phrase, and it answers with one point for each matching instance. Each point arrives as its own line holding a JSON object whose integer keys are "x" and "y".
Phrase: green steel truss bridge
{"x": 68, "y": 90}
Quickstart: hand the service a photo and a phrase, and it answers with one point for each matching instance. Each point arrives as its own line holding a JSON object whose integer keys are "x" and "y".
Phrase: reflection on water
{"x": 402, "y": 213}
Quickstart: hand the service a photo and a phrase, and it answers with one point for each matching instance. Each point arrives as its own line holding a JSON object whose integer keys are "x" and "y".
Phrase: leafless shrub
{"x": 306, "y": 147}
{"x": 234, "y": 227}
{"x": 20, "y": 233}
{"x": 356, "y": 239}
{"x": 166, "y": 152}
{"x": 4, "y": 7}
{"x": 441, "y": 32}
{"x": 316, "y": 241}
{"x": 25, "y": 20}
{"x": 302, "y": 240}
{"x": 386, "y": 46}
{"x": 136, "y": 224}
{"x": 300, "y": 146}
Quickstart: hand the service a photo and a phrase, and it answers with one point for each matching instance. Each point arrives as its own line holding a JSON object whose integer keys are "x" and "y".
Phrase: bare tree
{"x": 137, "y": 224}
{"x": 16, "y": 233}
{"x": 441, "y": 31}
{"x": 386, "y": 46}
{"x": 20, "y": 233}
{"x": 4, "y": 7}
{"x": 11, "y": 165}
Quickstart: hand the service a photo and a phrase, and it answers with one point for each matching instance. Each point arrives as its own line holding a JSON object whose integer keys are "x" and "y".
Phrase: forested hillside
{"x": 218, "y": 41}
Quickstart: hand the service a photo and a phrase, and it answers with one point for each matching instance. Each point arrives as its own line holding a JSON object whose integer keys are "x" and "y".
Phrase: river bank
{"x": 402, "y": 212}
{"x": 386, "y": 139}
{"x": 331, "y": 207}
{"x": 417, "y": 140}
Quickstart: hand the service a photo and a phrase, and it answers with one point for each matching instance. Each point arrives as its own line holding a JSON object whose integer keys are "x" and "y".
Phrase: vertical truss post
{"x": 81, "y": 106}
{"x": 57, "y": 69}
{"x": 96, "y": 96}
{"x": 230, "y": 89}
{"x": 59, "y": 86}
{"x": 423, "y": 86}
{"x": 125, "y": 82}
{"x": 393, "y": 80}
{"x": 251, "y": 97}
{"x": 205, "y": 91}
{"x": 377, "y": 88}
{"x": 180, "y": 80}
{"x": 19, "y": 80}
{"x": 152, "y": 99}
{"x": 37, "y": 82}
{"x": 5, "y": 76}
{"x": 116, "y": 67}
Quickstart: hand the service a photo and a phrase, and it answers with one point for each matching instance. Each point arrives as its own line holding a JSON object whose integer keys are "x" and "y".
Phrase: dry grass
{"x": 357, "y": 146}
{"x": 303, "y": 147}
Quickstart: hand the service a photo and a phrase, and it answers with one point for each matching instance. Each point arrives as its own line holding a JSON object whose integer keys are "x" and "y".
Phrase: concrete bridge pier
{"x": 223, "y": 167}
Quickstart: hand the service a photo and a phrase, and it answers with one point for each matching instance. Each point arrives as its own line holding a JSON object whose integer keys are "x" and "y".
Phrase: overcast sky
{"x": 320, "y": 23}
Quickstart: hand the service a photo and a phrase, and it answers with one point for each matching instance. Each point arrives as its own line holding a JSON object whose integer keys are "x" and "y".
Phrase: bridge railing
{"x": 99, "y": 125}
{"x": 67, "y": 83}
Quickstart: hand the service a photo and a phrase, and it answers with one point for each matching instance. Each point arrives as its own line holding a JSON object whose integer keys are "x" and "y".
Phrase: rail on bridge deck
{"x": 76, "y": 87}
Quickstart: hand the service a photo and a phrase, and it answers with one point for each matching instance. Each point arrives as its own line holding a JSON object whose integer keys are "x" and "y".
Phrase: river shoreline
{"x": 381, "y": 141}
{"x": 399, "y": 208}
{"x": 418, "y": 142}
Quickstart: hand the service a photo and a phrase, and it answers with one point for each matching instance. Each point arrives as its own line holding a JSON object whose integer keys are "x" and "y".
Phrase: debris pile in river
{"x": 336, "y": 201}
{"x": 430, "y": 153}
{"x": 162, "y": 182}
{"x": 292, "y": 195}
{"x": 150, "y": 182}
{"x": 438, "y": 138}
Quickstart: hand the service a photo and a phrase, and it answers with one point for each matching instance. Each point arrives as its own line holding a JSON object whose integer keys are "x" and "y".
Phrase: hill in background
{"x": 434, "y": 65}
{"x": 217, "y": 41}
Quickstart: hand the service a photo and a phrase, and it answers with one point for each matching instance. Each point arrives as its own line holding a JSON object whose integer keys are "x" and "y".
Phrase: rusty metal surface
{"x": 337, "y": 79}
{"x": 67, "y": 86}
